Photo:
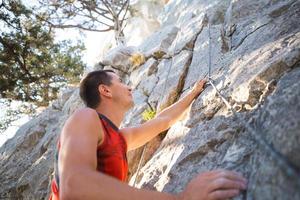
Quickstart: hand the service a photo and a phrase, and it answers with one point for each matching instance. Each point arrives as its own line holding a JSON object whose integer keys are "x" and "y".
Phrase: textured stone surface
{"x": 159, "y": 42}
{"x": 254, "y": 64}
{"x": 171, "y": 74}
{"x": 120, "y": 58}
{"x": 139, "y": 75}
{"x": 187, "y": 33}
{"x": 255, "y": 58}
{"x": 27, "y": 159}
{"x": 222, "y": 142}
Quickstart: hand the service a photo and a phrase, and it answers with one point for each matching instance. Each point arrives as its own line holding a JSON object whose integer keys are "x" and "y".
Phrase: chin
{"x": 130, "y": 105}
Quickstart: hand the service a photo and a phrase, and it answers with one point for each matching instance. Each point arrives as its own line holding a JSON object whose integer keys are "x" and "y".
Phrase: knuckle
{"x": 222, "y": 173}
{"x": 218, "y": 183}
{"x": 222, "y": 181}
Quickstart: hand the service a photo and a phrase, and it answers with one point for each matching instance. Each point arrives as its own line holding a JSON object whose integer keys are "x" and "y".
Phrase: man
{"x": 91, "y": 161}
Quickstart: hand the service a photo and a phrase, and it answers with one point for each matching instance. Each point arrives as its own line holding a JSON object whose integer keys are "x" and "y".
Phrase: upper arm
{"x": 79, "y": 140}
{"x": 138, "y": 135}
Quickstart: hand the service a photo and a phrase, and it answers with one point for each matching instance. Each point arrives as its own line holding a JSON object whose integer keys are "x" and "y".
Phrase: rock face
{"x": 255, "y": 63}
{"x": 27, "y": 159}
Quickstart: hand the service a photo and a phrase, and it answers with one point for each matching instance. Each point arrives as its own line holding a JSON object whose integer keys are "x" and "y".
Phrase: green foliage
{"x": 33, "y": 67}
{"x": 148, "y": 114}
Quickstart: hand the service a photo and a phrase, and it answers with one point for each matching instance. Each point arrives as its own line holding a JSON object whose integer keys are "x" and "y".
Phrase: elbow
{"x": 67, "y": 192}
{"x": 70, "y": 189}
{"x": 65, "y": 196}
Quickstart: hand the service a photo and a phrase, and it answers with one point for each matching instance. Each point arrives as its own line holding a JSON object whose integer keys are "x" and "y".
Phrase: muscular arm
{"x": 139, "y": 135}
{"x": 77, "y": 164}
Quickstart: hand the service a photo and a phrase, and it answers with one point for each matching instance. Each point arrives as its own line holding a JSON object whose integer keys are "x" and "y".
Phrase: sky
{"x": 94, "y": 42}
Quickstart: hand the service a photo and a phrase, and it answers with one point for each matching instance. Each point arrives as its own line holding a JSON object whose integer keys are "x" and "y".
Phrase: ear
{"x": 104, "y": 90}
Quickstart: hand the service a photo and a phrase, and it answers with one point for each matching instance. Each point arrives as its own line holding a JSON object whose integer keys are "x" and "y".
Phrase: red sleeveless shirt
{"x": 111, "y": 156}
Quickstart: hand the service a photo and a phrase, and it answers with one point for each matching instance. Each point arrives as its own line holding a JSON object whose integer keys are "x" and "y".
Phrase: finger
{"x": 231, "y": 175}
{"x": 206, "y": 84}
{"x": 224, "y": 183}
{"x": 202, "y": 83}
{"x": 199, "y": 83}
{"x": 200, "y": 80}
{"x": 223, "y": 194}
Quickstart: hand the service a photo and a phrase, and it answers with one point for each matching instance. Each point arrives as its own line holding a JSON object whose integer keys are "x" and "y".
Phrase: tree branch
{"x": 127, "y": 5}
{"x": 10, "y": 49}
{"x": 103, "y": 14}
{"x": 80, "y": 27}
{"x": 106, "y": 4}
{"x": 125, "y": 14}
{"x": 95, "y": 19}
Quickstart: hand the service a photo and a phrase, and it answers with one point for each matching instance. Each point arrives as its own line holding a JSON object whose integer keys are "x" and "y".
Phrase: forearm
{"x": 175, "y": 111}
{"x": 95, "y": 185}
{"x": 139, "y": 135}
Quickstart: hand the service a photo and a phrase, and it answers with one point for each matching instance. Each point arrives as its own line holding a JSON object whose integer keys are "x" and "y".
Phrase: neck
{"x": 115, "y": 114}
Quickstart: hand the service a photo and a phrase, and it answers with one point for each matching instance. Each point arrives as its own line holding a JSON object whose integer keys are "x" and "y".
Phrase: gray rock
{"x": 181, "y": 12}
{"x": 187, "y": 34}
{"x": 246, "y": 72}
{"x": 223, "y": 143}
{"x": 31, "y": 152}
{"x": 199, "y": 66}
{"x": 159, "y": 42}
{"x": 171, "y": 73}
{"x": 119, "y": 58}
{"x": 136, "y": 76}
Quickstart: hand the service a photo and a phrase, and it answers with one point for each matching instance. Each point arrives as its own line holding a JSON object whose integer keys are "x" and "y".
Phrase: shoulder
{"x": 85, "y": 113}
{"x": 84, "y": 118}
{"x": 84, "y": 122}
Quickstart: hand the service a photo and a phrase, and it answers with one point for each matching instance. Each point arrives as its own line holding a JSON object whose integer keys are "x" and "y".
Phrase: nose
{"x": 129, "y": 88}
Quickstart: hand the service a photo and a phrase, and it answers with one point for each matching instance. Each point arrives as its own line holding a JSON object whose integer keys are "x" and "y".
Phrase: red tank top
{"x": 111, "y": 156}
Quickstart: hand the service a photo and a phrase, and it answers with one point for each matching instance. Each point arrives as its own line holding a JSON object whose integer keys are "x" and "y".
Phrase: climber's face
{"x": 121, "y": 93}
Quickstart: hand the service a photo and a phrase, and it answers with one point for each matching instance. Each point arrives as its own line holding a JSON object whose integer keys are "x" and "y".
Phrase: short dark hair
{"x": 89, "y": 87}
